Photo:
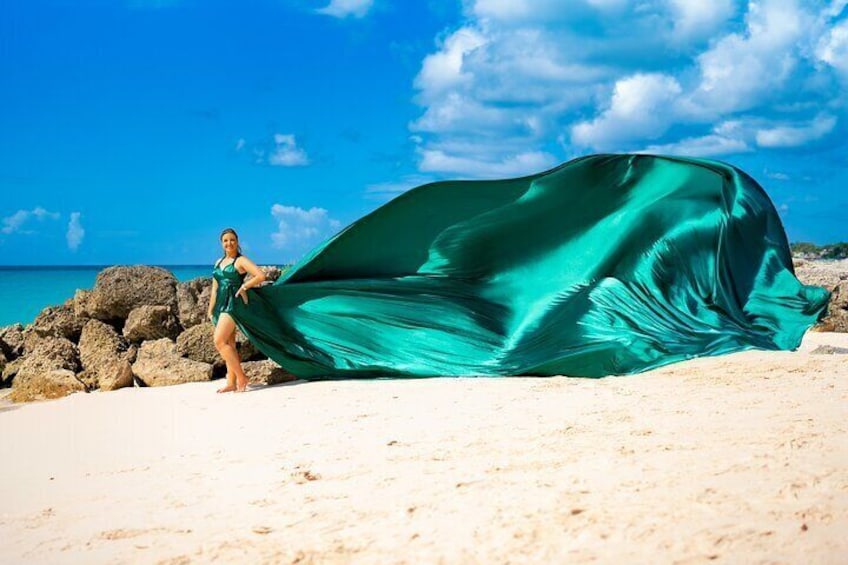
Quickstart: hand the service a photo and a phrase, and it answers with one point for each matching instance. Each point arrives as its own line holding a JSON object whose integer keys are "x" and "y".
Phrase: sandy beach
{"x": 739, "y": 458}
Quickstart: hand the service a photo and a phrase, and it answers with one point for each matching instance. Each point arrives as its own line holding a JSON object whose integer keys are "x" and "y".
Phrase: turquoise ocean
{"x": 26, "y": 291}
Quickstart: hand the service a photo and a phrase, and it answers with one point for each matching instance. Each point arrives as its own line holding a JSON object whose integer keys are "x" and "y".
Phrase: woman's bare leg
{"x": 231, "y": 377}
{"x": 225, "y": 343}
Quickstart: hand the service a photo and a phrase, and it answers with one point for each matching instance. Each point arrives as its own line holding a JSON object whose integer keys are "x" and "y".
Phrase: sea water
{"x": 26, "y": 291}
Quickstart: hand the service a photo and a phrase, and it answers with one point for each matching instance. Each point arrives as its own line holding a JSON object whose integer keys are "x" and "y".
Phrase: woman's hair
{"x": 232, "y": 231}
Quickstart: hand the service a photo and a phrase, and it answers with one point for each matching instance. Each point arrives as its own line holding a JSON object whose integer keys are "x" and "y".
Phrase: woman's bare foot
{"x": 228, "y": 388}
{"x": 241, "y": 385}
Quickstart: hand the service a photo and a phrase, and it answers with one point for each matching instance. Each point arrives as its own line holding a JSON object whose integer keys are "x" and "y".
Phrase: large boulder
{"x": 247, "y": 351}
{"x": 106, "y": 357}
{"x": 58, "y": 321}
{"x": 159, "y": 364}
{"x": 150, "y": 323}
{"x": 271, "y": 272}
{"x": 832, "y": 275}
{"x": 198, "y": 343}
{"x": 193, "y": 300}
{"x": 119, "y": 290}
{"x": 48, "y": 371}
{"x": 837, "y": 313}
{"x": 12, "y": 341}
{"x": 266, "y": 373}
{"x": 9, "y": 371}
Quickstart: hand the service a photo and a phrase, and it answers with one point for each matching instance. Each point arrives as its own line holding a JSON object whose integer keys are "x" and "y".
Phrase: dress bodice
{"x": 229, "y": 280}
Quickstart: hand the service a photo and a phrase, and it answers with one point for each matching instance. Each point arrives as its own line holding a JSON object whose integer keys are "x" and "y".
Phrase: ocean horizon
{"x": 25, "y": 290}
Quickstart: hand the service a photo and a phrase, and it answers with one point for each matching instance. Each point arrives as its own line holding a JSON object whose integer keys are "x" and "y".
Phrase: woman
{"x": 227, "y": 286}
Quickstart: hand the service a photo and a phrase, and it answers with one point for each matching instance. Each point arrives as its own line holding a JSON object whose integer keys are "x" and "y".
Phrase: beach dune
{"x": 738, "y": 458}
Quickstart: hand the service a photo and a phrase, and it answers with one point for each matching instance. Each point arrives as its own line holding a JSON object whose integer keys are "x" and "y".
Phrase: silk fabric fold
{"x": 605, "y": 265}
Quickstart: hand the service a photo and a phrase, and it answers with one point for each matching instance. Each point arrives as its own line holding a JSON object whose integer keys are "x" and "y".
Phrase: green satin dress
{"x": 229, "y": 280}
{"x": 605, "y": 265}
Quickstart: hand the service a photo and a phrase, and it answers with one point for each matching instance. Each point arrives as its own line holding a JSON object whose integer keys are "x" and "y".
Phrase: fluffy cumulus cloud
{"x": 75, "y": 232}
{"x": 346, "y": 8}
{"x": 522, "y": 84}
{"x": 17, "y": 222}
{"x": 299, "y": 229}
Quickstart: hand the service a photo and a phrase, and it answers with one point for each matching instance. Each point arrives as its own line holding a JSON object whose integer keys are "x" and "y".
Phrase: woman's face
{"x": 230, "y": 243}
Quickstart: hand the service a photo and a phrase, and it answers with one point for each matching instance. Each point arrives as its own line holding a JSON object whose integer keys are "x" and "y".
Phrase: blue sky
{"x": 134, "y": 131}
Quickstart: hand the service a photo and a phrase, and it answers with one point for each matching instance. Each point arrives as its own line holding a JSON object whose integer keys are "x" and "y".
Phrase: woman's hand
{"x": 243, "y": 292}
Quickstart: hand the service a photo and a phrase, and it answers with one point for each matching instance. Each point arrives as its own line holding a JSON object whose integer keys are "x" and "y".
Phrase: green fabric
{"x": 229, "y": 280}
{"x": 605, "y": 265}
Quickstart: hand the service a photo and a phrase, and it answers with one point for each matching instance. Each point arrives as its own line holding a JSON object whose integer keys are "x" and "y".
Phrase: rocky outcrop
{"x": 266, "y": 373}
{"x": 193, "y": 301}
{"x": 120, "y": 290}
{"x": 832, "y": 275}
{"x": 12, "y": 341}
{"x": 150, "y": 322}
{"x": 59, "y": 321}
{"x": 197, "y": 343}
{"x": 120, "y": 332}
{"x": 271, "y": 273}
{"x": 9, "y": 371}
{"x": 48, "y": 371}
{"x": 106, "y": 357}
{"x": 159, "y": 363}
{"x": 247, "y": 351}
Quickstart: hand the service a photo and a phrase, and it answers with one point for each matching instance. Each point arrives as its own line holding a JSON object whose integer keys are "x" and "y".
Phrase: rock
{"x": 193, "y": 301}
{"x": 10, "y": 370}
{"x": 159, "y": 364}
{"x": 832, "y": 275}
{"x": 58, "y": 321}
{"x": 266, "y": 373}
{"x": 197, "y": 343}
{"x": 119, "y": 290}
{"x": 151, "y": 323}
{"x": 48, "y": 371}
{"x": 3, "y": 362}
{"x": 12, "y": 341}
{"x": 247, "y": 351}
{"x": 829, "y": 350}
{"x": 272, "y": 273}
{"x": 45, "y": 385}
{"x": 106, "y": 357}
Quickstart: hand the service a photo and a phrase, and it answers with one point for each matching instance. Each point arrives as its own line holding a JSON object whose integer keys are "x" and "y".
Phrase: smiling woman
{"x": 606, "y": 265}
{"x": 228, "y": 287}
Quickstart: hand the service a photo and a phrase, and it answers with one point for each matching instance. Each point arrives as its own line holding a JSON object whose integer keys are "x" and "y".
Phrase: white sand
{"x": 740, "y": 458}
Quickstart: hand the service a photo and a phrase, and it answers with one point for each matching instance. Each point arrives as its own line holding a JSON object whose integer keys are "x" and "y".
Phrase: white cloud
{"x": 286, "y": 153}
{"x": 75, "y": 232}
{"x": 443, "y": 69}
{"x": 706, "y": 146}
{"x": 345, "y": 8}
{"x": 698, "y": 18}
{"x": 741, "y": 71}
{"x": 298, "y": 228}
{"x": 240, "y": 143}
{"x": 520, "y": 75}
{"x": 510, "y": 166}
{"x": 642, "y": 106}
{"x": 833, "y": 47}
{"x": 793, "y": 136}
{"x": 16, "y": 221}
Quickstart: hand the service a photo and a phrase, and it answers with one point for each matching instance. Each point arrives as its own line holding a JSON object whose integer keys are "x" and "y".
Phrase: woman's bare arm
{"x": 257, "y": 277}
